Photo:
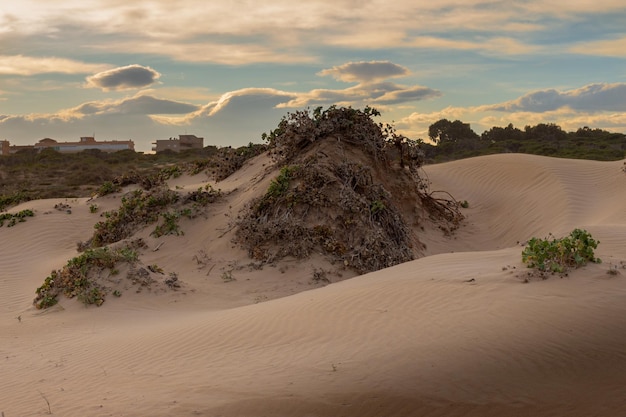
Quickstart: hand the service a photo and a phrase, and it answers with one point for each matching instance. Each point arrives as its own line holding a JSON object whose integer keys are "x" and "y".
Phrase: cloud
{"x": 239, "y": 106}
{"x": 363, "y": 94}
{"x": 268, "y": 33}
{"x": 416, "y": 124}
{"x": 403, "y": 94}
{"x": 370, "y": 88}
{"x": 140, "y": 104}
{"x": 28, "y": 65}
{"x": 365, "y": 72}
{"x": 124, "y": 78}
{"x": 592, "y": 98}
{"x": 228, "y": 53}
{"x": 608, "y": 47}
{"x": 489, "y": 45}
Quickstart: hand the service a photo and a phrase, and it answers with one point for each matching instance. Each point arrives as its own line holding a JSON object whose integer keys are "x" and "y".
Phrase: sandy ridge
{"x": 453, "y": 334}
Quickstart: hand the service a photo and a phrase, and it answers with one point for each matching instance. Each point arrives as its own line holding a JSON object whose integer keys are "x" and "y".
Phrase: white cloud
{"x": 29, "y": 65}
{"x": 139, "y": 104}
{"x": 365, "y": 72}
{"x": 124, "y": 78}
{"x": 370, "y": 89}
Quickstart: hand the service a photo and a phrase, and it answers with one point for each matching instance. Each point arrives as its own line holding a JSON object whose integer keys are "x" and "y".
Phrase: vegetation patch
{"x": 77, "y": 278}
{"x": 30, "y": 175}
{"x": 13, "y": 199}
{"x": 140, "y": 208}
{"x": 14, "y": 218}
{"x": 343, "y": 186}
{"x": 456, "y": 140}
{"x": 559, "y": 255}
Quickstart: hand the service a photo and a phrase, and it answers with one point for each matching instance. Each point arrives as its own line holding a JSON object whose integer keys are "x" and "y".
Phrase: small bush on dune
{"x": 75, "y": 279}
{"x": 559, "y": 255}
{"x": 344, "y": 181}
{"x": 13, "y": 219}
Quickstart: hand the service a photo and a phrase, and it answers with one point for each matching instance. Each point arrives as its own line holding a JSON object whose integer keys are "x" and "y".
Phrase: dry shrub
{"x": 338, "y": 192}
{"x": 228, "y": 160}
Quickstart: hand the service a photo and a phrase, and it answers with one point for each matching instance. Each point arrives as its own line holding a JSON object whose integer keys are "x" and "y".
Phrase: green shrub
{"x": 280, "y": 184}
{"x": 108, "y": 187}
{"x": 278, "y": 188}
{"x": 558, "y": 255}
{"x": 8, "y": 200}
{"x": 169, "y": 226}
{"x": 13, "y": 219}
{"x": 76, "y": 278}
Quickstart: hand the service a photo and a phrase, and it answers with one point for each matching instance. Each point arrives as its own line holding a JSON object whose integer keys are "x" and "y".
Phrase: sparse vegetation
{"x": 227, "y": 276}
{"x": 29, "y": 175}
{"x": 108, "y": 187}
{"x": 169, "y": 226}
{"x": 559, "y": 255}
{"x": 76, "y": 279}
{"x": 140, "y": 208}
{"x": 15, "y": 218}
{"x": 13, "y": 199}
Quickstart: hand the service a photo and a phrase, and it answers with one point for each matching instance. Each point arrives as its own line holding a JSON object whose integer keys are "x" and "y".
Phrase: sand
{"x": 456, "y": 333}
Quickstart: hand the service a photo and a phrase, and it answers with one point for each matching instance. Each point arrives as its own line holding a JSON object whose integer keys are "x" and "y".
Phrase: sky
{"x": 228, "y": 71}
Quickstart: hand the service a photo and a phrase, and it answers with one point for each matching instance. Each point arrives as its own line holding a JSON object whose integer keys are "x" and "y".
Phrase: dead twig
{"x": 47, "y": 402}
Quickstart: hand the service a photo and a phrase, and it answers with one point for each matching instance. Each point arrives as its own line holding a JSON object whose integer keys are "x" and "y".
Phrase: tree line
{"x": 455, "y": 140}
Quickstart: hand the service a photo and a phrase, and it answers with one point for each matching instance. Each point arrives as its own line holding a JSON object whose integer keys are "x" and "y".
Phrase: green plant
{"x": 13, "y": 219}
{"x": 377, "y": 206}
{"x": 464, "y": 204}
{"x": 76, "y": 278}
{"x": 280, "y": 184}
{"x": 108, "y": 188}
{"x": 12, "y": 199}
{"x": 93, "y": 295}
{"x": 169, "y": 226}
{"x": 172, "y": 171}
{"x": 558, "y": 255}
{"x": 138, "y": 208}
{"x": 93, "y": 208}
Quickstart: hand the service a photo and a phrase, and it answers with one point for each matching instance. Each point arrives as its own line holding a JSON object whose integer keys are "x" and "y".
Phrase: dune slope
{"x": 455, "y": 333}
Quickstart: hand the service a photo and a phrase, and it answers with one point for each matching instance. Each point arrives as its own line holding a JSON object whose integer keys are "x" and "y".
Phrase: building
{"x": 183, "y": 142}
{"x": 86, "y": 142}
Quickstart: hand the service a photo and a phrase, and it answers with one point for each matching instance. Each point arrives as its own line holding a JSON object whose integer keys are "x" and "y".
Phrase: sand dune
{"x": 455, "y": 333}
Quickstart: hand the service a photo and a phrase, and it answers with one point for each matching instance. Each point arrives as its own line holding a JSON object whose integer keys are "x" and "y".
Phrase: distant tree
{"x": 545, "y": 132}
{"x": 453, "y": 136}
{"x": 502, "y": 134}
{"x": 587, "y": 132}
